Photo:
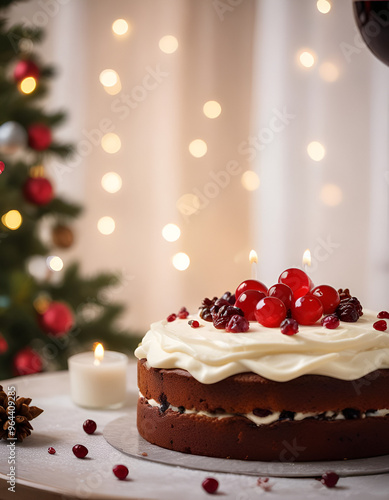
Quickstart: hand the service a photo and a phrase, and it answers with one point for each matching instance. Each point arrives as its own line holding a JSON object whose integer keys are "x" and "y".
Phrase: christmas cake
{"x": 290, "y": 373}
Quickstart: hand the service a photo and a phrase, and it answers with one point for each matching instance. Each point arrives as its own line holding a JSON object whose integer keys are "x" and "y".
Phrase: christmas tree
{"x": 42, "y": 320}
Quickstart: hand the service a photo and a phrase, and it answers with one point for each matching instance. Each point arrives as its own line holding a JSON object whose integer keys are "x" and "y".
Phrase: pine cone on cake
{"x": 22, "y": 415}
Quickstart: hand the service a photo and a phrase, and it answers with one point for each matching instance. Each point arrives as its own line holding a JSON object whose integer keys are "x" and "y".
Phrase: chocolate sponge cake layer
{"x": 282, "y": 441}
{"x": 246, "y": 391}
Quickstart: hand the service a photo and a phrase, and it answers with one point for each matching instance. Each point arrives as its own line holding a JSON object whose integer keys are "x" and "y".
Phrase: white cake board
{"x": 123, "y": 435}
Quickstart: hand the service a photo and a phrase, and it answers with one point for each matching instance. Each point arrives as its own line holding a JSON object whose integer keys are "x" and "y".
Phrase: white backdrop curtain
{"x": 243, "y": 54}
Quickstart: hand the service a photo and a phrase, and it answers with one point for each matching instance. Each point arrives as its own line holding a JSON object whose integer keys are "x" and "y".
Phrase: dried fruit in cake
{"x": 224, "y": 314}
{"x": 237, "y": 324}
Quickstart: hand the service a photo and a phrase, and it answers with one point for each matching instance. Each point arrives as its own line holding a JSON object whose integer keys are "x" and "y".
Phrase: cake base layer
{"x": 282, "y": 441}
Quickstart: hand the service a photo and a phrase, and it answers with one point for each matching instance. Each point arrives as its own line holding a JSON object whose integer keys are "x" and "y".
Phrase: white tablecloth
{"x": 44, "y": 476}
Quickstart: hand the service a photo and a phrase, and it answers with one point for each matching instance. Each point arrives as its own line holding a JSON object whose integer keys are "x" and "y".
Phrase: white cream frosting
{"x": 348, "y": 352}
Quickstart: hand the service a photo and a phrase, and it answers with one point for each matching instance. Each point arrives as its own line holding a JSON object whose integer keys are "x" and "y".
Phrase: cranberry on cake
{"x": 289, "y": 373}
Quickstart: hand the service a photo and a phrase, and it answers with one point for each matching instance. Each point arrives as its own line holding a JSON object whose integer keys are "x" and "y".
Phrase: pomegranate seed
{"x": 380, "y": 325}
{"x": 183, "y": 313}
{"x": 210, "y": 485}
{"x": 171, "y": 317}
{"x": 282, "y": 292}
{"x": 383, "y": 314}
{"x": 250, "y": 285}
{"x": 331, "y": 321}
{"x": 328, "y": 296}
{"x": 51, "y": 450}
{"x": 289, "y": 326}
{"x": 247, "y": 301}
{"x": 270, "y": 312}
{"x": 120, "y": 471}
{"x": 194, "y": 323}
{"x": 80, "y": 451}
{"x": 89, "y": 426}
{"x": 237, "y": 324}
{"x": 329, "y": 479}
{"x": 299, "y": 282}
{"x": 307, "y": 310}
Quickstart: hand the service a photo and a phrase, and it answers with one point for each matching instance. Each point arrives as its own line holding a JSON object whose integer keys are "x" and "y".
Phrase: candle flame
{"x": 253, "y": 257}
{"x": 99, "y": 353}
{"x": 307, "y": 260}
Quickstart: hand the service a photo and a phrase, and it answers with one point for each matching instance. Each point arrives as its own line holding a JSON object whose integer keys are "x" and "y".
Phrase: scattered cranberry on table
{"x": 183, "y": 313}
{"x": 171, "y": 317}
{"x": 329, "y": 479}
{"x": 51, "y": 450}
{"x": 210, "y": 485}
{"x": 120, "y": 471}
{"x": 383, "y": 314}
{"x": 89, "y": 426}
{"x": 194, "y": 323}
{"x": 80, "y": 451}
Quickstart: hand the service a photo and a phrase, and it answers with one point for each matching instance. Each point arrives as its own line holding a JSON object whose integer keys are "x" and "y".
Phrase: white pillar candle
{"x": 98, "y": 380}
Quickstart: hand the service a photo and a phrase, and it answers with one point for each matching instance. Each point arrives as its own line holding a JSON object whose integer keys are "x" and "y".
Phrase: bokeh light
{"x": 168, "y": 44}
{"x": 106, "y": 225}
{"x": 316, "y": 150}
{"x": 198, "y": 148}
{"x": 12, "y": 220}
{"x": 108, "y": 78}
{"x": 120, "y": 27}
{"x": 171, "y": 232}
{"x": 188, "y": 204}
{"x": 331, "y": 195}
{"x": 250, "y": 180}
{"x": 323, "y": 6}
{"x": 212, "y": 109}
{"x": 111, "y": 143}
{"x": 307, "y": 59}
{"x": 28, "y": 85}
{"x": 54, "y": 263}
{"x": 111, "y": 182}
{"x": 181, "y": 261}
{"x": 328, "y": 72}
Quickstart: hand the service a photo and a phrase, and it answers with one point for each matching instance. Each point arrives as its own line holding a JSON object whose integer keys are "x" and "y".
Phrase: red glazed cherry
{"x": 383, "y": 314}
{"x": 331, "y": 321}
{"x": 328, "y": 296}
{"x": 270, "y": 312}
{"x": 380, "y": 325}
{"x": 307, "y": 310}
{"x": 80, "y": 451}
{"x": 210, "y": 485}
{"x": 193, "y": 323}
{"x": 297, "y": 280}
{"x": 120, "y": 471}
{"x": 51, "y": 450}
{"x": 89, "y": 426}
{"x": 329, "y": 479}
{"x": 289, "y": 326}
{"x": 247, "y": 301}
{"x": 282, "y": 292}
{"x": 250, "y": 285}
{"x": 171, "y": 317}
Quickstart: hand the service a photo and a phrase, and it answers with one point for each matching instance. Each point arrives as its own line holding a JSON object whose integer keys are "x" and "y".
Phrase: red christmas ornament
{"x": 26, "y": 362}
{"x": 38, "y": 190}
{"x": 24, "y": 69}
{"x": 58, "y": 319}
{"x": 39, "y": 136}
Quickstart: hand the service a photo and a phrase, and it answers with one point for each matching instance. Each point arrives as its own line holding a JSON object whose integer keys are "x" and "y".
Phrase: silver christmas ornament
{"x": 13, "y": 137}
